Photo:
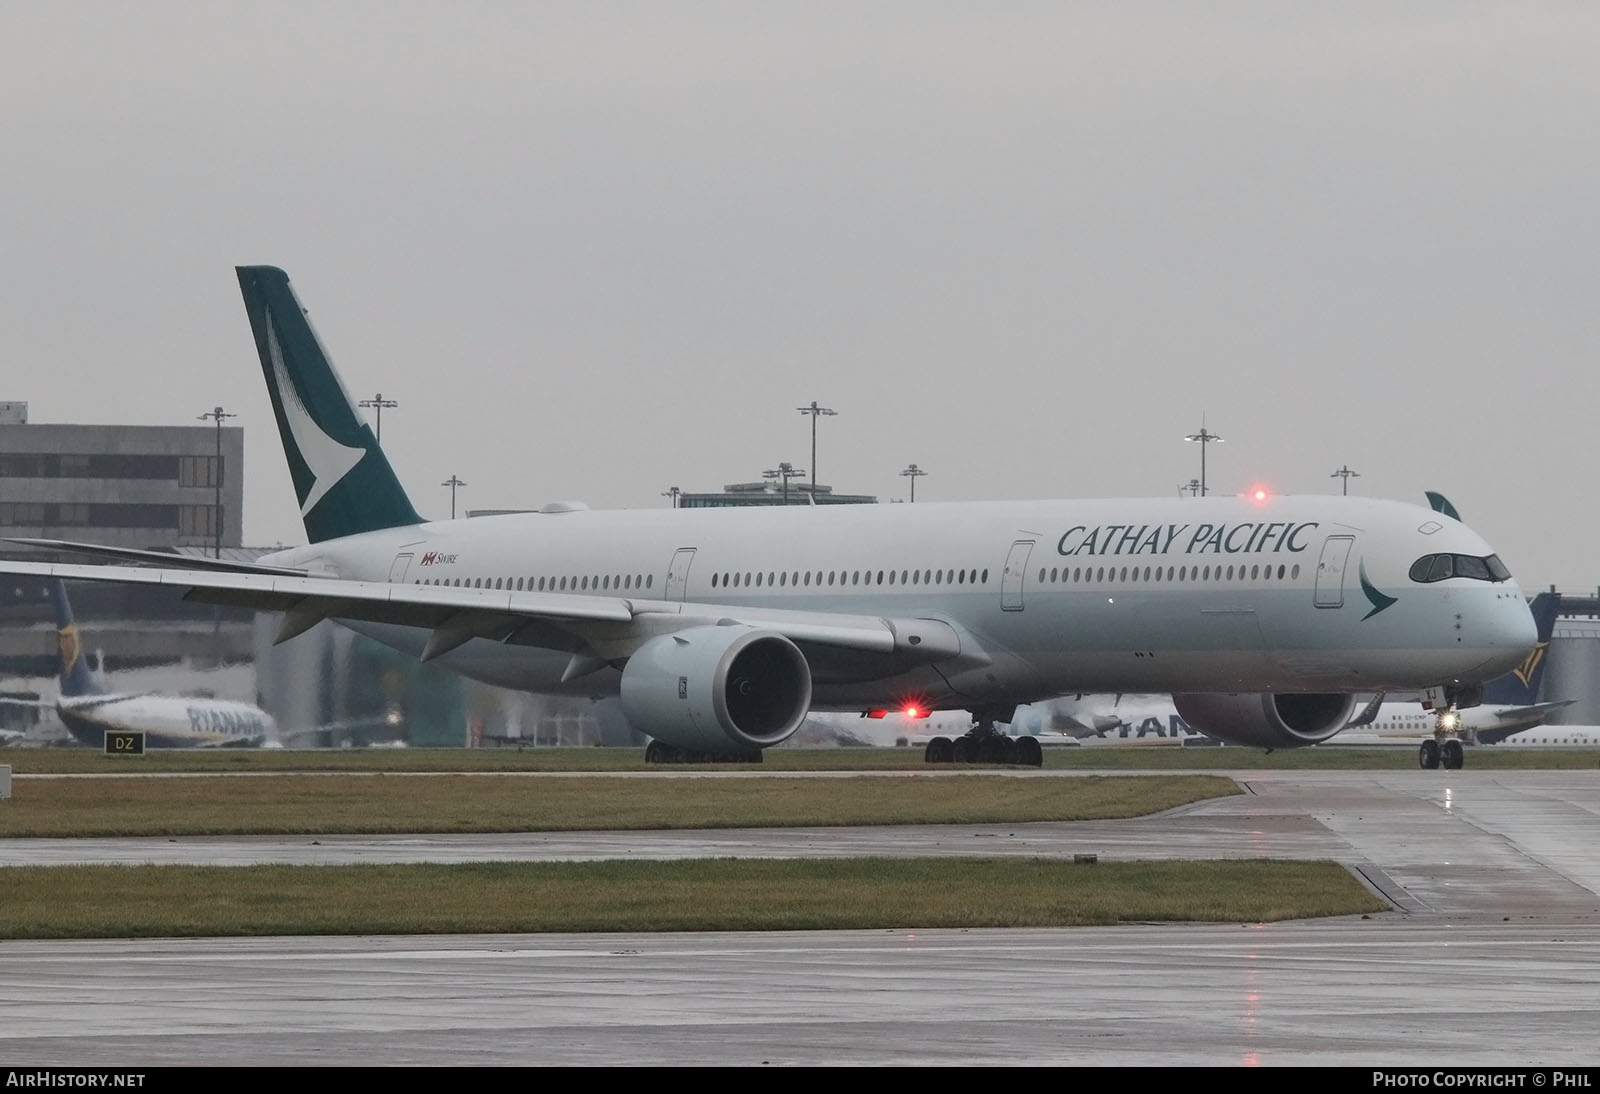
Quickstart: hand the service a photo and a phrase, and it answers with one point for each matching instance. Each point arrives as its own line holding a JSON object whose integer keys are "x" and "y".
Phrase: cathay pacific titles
{"x": 1158, "y": 539}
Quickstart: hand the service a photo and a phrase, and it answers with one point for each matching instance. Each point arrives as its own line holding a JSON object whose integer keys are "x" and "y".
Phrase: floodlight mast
{"x": 816, "y": 412}
{"x": 1204, "y": 437}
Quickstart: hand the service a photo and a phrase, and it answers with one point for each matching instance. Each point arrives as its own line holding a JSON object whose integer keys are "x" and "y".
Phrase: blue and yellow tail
{"x": 73, "y": 671}
{"x": 1520, "y": 686}
{"x": 341, "y": 476}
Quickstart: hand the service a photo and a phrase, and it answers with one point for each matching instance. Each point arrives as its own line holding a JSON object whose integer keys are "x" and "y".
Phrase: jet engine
{"x": 1266, "y": 719}
{"x": 718, "y": 690}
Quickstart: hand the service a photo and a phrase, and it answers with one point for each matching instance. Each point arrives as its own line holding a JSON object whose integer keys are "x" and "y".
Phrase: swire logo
{"x": 435, "y": 558}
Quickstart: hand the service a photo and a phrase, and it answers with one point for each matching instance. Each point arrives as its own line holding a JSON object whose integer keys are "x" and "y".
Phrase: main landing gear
{"x": 659, "y": 752}
{"x": 983, "y": 744}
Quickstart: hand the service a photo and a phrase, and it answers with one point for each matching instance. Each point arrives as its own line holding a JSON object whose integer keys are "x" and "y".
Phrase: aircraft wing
{"x": 596, "y": 629}
{"x": 159, "y": 558}
{"x": 1513, "y": 720}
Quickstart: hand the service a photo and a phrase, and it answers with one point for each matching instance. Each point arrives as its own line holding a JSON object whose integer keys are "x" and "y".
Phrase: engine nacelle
{"x": 1266, "y": 719}
{"x": 717, "y": 689}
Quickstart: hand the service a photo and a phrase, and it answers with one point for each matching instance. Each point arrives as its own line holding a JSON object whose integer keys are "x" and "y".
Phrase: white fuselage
{"x": 1549, "y": 736}
{"x": 1046, "y": 597}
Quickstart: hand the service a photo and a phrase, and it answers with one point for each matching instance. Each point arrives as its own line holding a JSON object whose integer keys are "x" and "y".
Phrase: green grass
{"x": 698, "y": 895}
{"x": 283, "y": 804}
{"x": 1129, "y": 757}
{"x": 485, "y": 790}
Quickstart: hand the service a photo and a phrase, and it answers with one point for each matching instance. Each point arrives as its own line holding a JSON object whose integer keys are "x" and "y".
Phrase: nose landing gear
{"x": 1444, "y": 748}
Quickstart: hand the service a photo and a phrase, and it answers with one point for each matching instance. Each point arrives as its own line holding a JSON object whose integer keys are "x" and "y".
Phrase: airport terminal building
{"x": 122, "y": 485}
{"x": 139, "y": 486}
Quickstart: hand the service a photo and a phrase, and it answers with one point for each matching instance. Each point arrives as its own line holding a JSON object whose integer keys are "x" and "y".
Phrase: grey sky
{"x": 599, "y": 249}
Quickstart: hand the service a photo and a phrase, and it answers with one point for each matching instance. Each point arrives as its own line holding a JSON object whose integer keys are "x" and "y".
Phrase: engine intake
{"x": 717, "y": 689}
{"x": 1266, "y": 719}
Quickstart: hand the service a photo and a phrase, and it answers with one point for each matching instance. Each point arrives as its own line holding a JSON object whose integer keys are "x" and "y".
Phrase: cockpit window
{"x": 1430, "y": 568}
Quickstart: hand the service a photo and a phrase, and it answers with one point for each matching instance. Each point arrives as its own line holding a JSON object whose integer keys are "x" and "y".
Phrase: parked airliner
{"x": 1548, "y": 736}
{"x": 720, "y": 629}
{"x": 90, "y": 711}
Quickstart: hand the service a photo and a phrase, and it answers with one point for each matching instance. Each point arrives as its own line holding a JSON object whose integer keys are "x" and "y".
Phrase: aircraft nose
{"x": 1510, "y": 632}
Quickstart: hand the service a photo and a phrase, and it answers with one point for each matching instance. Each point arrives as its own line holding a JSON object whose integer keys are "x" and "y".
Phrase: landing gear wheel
{"x": 962, "y": 750}
{"x": 940, "y": 750}
{"x": 1428, "y": 755}
{"x": 1029, "y": 754}
{"x": 1452, "y": 756}
{"x": 657, "y": 753}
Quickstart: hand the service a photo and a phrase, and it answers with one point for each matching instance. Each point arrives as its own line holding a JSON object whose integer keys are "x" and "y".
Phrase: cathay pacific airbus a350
{"x": 721, "y": 628}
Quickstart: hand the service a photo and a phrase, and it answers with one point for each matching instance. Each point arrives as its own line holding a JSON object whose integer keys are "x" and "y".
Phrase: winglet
{"x": 1441, "y": 504}
{"x": 344, "y": 482}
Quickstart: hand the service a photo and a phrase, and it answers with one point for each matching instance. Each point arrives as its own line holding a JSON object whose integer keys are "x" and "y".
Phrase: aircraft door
{"x": 678, "y": 573}
{"x": 1330, "y": 571}
{"x": 1011, "y": 580}
{"x": 398, "y": 568}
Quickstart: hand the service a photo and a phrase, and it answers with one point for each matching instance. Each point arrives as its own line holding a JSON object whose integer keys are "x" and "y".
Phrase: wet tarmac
{"x": 1490, "y": 957}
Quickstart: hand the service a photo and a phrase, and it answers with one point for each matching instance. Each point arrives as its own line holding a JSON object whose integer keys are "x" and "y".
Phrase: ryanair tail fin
{"x": 341, "y": 476}
{"x": 1520, "y": 686}
{"x": 74, "y": 675}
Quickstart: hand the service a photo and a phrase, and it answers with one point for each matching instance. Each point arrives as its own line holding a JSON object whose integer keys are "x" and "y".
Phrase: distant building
{"x": 147, "y": 486}
{"x": 771, "y": 492}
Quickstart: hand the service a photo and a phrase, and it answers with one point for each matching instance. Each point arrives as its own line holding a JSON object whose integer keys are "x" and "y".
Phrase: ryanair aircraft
{"x": 721, "y": 628}
{"x": 89, "y": 710}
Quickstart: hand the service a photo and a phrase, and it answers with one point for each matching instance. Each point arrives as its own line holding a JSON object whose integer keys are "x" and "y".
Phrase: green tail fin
{"x": 341, "y": 476}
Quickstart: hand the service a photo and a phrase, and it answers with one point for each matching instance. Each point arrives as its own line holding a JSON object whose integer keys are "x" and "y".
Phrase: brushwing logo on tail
{"x": 328, "y": 460}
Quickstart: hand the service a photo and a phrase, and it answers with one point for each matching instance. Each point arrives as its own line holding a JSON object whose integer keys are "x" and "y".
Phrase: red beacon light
{"x": 1259, "y": 494}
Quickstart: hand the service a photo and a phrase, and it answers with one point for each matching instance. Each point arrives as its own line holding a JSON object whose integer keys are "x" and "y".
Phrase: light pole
{"x": 452, "y": 482}
{"x": 816, "y": 412}
{"x": 219, "y": 414}
{"x": 378, "y": 402}
{"x": 1204, "y": 437}
{"x": 913, "y": 473}
{"x": 672, "y": 492}
{"x": 786, "y": 471}
{"x": 1346, "y": 474}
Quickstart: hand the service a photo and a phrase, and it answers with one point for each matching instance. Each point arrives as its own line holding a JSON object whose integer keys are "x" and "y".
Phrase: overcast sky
{"x": 595, "y": 250}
